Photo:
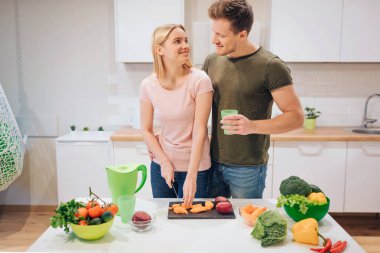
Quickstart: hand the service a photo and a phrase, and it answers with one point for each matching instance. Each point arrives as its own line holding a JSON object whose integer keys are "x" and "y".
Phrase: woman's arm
{"x": 146, "y": 115}
{"x": 202, "y": 112}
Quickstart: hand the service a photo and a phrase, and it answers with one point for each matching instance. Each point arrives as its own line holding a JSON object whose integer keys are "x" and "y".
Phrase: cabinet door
{"x": 135, "y": 21}
{"x": 306, "y": 31}
{"x": 81, "y": 165}
{"x": 319, "y": 163}
{"x": 363, "y": 177}
{"x": 360, "y": 31}
{"x": 134, "y": 152}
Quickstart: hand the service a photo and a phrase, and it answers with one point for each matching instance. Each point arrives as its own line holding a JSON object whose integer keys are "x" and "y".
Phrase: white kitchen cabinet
{"x": 307, "y": 31}
{"x": 134, "y": 152}
{"x": 363, "y": 177}
{"x": 319, "y": 163}
{"x": 360, "y": 31}
{"x": 82, "y": 158}
{"x": 135, "y": 21}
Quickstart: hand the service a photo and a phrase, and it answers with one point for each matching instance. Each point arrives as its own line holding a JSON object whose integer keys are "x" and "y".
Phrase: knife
{"x": 175, "y": 191}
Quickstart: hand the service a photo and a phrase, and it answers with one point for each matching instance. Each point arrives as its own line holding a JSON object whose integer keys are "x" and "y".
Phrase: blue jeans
{"x": 161, "y": 190}
{"x": 246, "y": 182}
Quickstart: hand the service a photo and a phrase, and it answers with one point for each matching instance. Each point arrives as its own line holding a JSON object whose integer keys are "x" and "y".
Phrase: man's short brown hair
{"x": 238, "y": 12}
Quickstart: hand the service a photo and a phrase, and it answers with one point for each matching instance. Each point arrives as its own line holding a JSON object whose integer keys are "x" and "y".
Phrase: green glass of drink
{"x": 227, "y": 112}
{"x": 126, "y": 206}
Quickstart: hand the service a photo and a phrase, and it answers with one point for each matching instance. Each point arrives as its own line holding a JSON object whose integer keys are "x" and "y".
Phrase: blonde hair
{"x": 159, "y": 36}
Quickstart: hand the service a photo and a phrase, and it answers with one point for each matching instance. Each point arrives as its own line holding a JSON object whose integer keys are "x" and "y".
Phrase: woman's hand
{"x": 167, "y": 172}
{"x": 189, "y": 189}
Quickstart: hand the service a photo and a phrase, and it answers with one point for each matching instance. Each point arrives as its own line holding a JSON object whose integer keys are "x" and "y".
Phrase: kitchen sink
{"x": 367, "y": 130}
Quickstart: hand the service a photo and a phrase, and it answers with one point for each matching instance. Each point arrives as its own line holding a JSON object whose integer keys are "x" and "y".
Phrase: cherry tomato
{"x": 92, "y": 203}
{"x": 95, "y": 212}
{"x": 112, "y": 208}
{"x": 81, "y": 212}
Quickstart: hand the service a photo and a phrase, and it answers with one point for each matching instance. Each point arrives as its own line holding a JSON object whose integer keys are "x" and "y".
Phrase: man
{"x": 247, "y": 78}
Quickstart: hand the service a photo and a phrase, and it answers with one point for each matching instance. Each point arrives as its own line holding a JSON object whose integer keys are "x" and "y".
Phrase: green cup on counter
{"x": 126, "y": 206}
{"x": 227, "y": 112}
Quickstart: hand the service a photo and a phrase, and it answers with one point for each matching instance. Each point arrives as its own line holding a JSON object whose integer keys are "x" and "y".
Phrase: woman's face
{"x": 176, "y": 48}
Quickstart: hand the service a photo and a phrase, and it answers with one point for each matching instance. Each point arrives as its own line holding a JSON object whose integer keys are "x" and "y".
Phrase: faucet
{"x": 366, "y": 120}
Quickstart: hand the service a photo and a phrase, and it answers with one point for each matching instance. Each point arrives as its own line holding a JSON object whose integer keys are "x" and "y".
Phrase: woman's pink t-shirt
{"x": 175, "y": 110}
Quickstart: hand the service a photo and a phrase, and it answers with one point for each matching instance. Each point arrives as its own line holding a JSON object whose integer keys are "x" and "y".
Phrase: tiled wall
{"x": 339, "y": 91}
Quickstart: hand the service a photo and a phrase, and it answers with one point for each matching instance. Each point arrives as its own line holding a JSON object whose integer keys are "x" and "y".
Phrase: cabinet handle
{"x": 142, "y": 149}
{"x": 308, "y": 150}
{"x": 372, "y": 151}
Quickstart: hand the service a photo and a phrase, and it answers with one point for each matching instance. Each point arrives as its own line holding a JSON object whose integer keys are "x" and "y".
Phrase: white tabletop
{"x": 185, "y": 236}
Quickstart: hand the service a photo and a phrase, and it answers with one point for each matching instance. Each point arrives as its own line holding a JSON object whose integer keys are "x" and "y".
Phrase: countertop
{"x": 185, "y": 236}
{"x": 319, "y": 134}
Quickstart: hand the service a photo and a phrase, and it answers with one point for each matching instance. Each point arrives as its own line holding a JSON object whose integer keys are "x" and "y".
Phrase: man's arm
{"x": 291, "y": 117}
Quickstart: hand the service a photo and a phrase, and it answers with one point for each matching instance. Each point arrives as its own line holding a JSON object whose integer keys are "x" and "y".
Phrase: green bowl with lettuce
{"x": 300, "y": 199}
{"x": 316, "y": 211}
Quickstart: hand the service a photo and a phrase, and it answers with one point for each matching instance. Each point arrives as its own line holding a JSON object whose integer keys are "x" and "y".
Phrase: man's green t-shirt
{"x": 244, "y": 84}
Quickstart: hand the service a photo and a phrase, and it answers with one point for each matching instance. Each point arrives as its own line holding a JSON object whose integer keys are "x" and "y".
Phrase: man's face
{"x": 224, "y": 38}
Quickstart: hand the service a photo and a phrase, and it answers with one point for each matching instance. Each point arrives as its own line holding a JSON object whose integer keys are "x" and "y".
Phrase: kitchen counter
{"x": 319, "y": 134}
{"x": 184, "y": 236}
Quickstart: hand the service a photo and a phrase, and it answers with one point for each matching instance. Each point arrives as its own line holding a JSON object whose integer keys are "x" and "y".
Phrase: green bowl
{"x": 314, "y": 211}
{"x": 92, "y": 232}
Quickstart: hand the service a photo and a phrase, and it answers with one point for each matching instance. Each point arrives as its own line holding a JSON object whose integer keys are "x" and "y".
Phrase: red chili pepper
{"x": 336, "y": 244}
{"x": 327, "y": 246}
{"x": 340, "y": 248}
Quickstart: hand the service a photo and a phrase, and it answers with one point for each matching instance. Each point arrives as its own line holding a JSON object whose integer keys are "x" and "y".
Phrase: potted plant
{"x": 72, "y": 128}
{"x": 100, "y": 128}
{"x": 311, "y": 115}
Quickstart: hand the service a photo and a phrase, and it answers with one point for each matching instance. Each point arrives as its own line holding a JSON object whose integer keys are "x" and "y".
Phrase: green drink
{"x": 227, "y": 112}
{"x": 126, "y": 206}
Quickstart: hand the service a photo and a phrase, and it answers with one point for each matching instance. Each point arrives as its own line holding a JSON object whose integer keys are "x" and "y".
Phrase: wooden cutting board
{"x": 212, "y": 214}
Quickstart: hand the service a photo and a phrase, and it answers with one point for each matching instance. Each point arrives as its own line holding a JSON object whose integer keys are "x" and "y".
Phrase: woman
{"x": 180, "y": 97}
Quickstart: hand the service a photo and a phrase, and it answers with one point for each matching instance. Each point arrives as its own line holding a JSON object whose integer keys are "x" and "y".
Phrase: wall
{"x": 57, "y": 68}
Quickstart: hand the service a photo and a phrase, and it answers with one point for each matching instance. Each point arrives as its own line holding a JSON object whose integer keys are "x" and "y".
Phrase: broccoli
{"x": 295, "y": 185}
{"x": 270, "y": 228}
{"x": 315, "y": 188}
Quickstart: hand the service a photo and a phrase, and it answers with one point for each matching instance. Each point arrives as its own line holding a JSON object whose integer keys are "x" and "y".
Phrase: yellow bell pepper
{"x": 317, "y": 197}
{"x": 306, "y": 231}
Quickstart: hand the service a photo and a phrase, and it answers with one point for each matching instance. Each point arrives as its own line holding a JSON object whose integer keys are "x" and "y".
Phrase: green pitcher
{"x": 122, "y": 179}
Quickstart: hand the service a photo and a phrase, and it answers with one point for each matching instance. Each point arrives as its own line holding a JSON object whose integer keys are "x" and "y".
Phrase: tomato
{"x": 112, "y": 208}
{"x": 81, "y": 212}
{"x": 95, "y": 212}
{"x": 82, "y": 223}
{"x": 92, "y": 203}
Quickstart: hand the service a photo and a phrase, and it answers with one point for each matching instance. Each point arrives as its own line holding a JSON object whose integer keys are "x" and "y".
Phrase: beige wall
{"x": 65, "y": 71}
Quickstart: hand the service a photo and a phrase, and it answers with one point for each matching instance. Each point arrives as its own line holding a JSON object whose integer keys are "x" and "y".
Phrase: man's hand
{"x": 189, "y": 189}
{"x": 167, "y": 172}
{"x": 237, "y": 124}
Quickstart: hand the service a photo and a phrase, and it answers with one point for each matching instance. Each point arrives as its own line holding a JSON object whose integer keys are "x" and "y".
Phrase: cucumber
{"x": 106, "y": 216}
{"x": 95, "y": 221}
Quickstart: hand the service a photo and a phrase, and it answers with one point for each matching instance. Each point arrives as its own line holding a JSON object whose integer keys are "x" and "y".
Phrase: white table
{"x": 187, "y": 236}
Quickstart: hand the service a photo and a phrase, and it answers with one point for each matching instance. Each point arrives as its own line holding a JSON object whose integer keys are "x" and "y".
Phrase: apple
{"x": 224, "y": 207}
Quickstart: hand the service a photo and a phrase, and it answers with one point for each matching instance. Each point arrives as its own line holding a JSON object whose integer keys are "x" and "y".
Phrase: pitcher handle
{"x": 143, "y": 170}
